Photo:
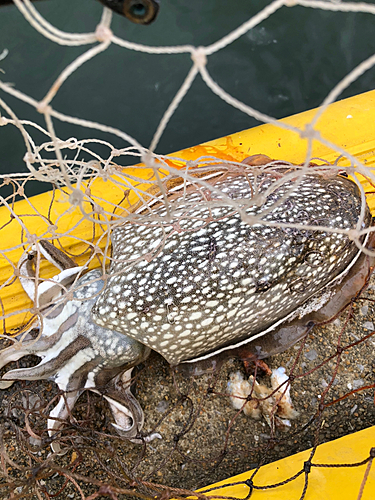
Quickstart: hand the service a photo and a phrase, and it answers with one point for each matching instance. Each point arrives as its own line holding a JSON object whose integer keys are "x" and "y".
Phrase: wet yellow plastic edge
{"x": 348, "y": 123}
{"x": 324, "y": 483}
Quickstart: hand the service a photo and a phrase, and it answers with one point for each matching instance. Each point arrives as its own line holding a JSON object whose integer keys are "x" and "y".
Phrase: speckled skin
{"x": 219, "y": 283}
{"x": 205, "y": 279}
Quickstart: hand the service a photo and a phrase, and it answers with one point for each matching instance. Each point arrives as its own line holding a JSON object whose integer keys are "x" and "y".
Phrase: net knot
{"x": 177, "y": 227}
{"x": 309, "y": 132}
{"x": 44, "y": 108}
{"x": 3, "y": 121}
{"x": 350, "y": 170}
{"x": 191, "y": 164}
{"x": 249, "y": 483}
{"x": 76, "y": 197}
{"x": 71, "y": 143}
{"x": 32, "y": 239}
{"x": 103, "y": 33}
{"x": 353, "y": 234}
{"x": 307, "y": 466}
{"x": 249, "y": 219}
{"x": 148, "y": 159}
{"x": 199, "y": 57}
{"x": 29, "y": 157}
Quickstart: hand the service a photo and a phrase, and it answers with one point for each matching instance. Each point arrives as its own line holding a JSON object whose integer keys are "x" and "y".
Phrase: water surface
{"x": 285, "y": 65}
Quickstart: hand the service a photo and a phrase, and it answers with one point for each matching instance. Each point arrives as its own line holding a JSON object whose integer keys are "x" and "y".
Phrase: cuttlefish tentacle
{"x": 129, "y": 419}
{"x": 7, "y": 356}
{"x": 59, "y": 414}
{"x": 76, "y": 353}
{"x": 48, "y": 290}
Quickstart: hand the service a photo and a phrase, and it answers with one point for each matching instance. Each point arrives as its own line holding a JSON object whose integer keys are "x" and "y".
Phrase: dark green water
{"x": 286, "y": 65}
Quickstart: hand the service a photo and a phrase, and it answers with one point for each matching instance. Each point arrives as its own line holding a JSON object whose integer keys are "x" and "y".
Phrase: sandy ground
{"x": 204, "y": 439}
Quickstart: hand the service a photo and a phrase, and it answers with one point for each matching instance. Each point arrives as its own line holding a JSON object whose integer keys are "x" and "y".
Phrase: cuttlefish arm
{"x": 41, "y": 293}
{"x": 75, "y": 352}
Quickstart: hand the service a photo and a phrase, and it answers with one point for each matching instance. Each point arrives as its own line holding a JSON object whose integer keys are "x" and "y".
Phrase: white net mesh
{"x": 91, "y": 196}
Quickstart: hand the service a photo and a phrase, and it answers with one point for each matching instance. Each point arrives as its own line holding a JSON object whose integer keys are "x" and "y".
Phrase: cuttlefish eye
{"x": 137, "y": 11}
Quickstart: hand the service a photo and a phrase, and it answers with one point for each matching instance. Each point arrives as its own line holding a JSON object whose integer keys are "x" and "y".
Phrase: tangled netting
{"x": 330, "y": 372}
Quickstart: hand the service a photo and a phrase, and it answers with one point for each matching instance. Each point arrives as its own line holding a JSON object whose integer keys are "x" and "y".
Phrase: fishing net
{"x": 206, "y": 429}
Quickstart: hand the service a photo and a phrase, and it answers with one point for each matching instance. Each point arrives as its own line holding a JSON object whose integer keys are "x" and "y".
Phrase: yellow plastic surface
{"x": 349, "y": 123}
{"x": 324, "y": 483}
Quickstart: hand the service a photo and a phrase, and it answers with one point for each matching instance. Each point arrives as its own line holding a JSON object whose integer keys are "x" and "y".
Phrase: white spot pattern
{"x": 243, "y": 278}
